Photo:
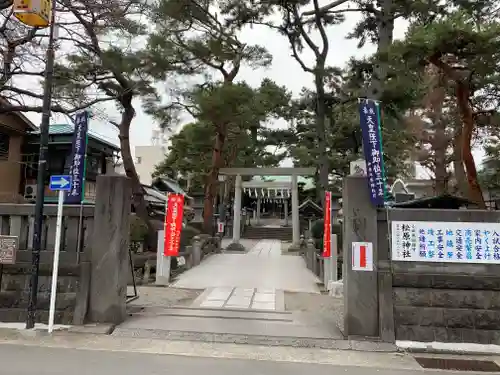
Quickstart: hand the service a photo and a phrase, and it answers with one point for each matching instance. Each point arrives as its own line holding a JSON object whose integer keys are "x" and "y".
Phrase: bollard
{"x": 302, "y": 241}
{"x": 218, "y": 243}
{"x": 162, "y": 263}
{"x": 188, "y": 258}
{"x": 311, "y": 254}
{"x": 302, "y": 247}
{"x": 196, "y": 252}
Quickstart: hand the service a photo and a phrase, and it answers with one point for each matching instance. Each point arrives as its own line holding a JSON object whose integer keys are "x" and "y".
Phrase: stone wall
{"x": 417, "y": 301}
{"x": 74, "y": 270}
{"x": 445, "y": 302}
{"x": 72, "y": 289}
{"x": 92, "y": 284}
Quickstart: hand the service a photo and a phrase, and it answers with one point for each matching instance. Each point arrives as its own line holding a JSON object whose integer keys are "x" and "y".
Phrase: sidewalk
{"x": 213, "y": 350}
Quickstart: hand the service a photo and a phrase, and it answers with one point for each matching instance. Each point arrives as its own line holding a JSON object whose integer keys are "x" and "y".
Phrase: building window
{"x": 139, "y": 159}
{"x": 4, "y": 146}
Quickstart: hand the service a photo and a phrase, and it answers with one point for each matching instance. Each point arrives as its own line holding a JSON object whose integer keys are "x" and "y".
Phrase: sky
{"x": 284, "y": 71}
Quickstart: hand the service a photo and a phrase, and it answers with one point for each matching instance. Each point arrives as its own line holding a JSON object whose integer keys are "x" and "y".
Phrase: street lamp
{"x": 41, "y": 14}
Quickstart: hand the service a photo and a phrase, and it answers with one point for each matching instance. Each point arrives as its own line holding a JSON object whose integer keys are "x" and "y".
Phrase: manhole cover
{"x": 457, "y": 364}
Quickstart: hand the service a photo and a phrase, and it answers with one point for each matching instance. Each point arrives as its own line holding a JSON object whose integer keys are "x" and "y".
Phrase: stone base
{"x": 235, "y": 246}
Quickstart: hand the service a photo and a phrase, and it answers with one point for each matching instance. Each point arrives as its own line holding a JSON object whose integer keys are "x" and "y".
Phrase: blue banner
{"x": 78, "y": 155}
{"x": 369, "y": 114}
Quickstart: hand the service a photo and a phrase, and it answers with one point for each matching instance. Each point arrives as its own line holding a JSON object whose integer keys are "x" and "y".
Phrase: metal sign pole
{"x": 55, "y": 267}
{"x": 62, "y": 184}
{"x": 42, "y": 167}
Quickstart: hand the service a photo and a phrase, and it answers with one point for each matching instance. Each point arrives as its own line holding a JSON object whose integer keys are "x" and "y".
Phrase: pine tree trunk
{"x": 458, "y": 165}
{"x": 466, "y": 113}
{"x": 440, "y": 171}
{"x": 138, "y": 201}
{"x": 324, "y": 163}
{"x": 212, "y": 180}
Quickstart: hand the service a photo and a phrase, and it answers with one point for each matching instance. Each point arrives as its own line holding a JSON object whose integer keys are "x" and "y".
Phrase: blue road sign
{"x": 61, "y": 182}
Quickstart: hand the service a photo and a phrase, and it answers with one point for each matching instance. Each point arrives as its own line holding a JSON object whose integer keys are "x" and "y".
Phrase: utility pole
{"x": 42, "y": 168}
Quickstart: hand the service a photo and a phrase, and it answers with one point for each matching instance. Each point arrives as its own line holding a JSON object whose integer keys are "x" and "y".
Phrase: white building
{"x": 147, "y": 157}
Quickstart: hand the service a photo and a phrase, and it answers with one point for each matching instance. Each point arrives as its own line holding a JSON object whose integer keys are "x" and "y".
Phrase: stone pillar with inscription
{"x": 361, "y": 310}
{"x": 109, "y": 255}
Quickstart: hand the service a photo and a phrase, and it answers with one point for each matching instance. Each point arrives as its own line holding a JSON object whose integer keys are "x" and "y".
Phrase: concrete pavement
{"x": 243, "y": 302}
{"x": 18, "y": 360}
{"x": 35, "y": 360}
{"x": 262, "y": 267}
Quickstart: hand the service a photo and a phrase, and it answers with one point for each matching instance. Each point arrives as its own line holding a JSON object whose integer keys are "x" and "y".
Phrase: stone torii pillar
{"x": 285, "y": 206}
{"x": 259, "y": 200}
{"x": 237, "y": 210}
{"x": 295, "y": 212}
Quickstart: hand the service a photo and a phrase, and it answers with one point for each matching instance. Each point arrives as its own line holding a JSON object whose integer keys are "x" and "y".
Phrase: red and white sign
{"x": 327, "y": 230}
{"x": 173, "y": 224}
{"x": 220, "y": 227}
{"x": 362, "y": 256}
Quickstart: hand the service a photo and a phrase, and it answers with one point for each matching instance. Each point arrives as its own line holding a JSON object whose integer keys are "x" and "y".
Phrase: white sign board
{"x": 362, "y": 256}
{"x": 454, "y": 242}
{"x": 220, "y": 227}
{"x": 358, "y": 167}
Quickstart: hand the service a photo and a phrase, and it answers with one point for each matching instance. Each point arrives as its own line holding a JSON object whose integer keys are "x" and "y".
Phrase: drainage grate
{"x": 457, "y": 364}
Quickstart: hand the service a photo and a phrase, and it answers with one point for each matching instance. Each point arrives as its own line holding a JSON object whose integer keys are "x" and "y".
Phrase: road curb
{"x": 297, "y": 342}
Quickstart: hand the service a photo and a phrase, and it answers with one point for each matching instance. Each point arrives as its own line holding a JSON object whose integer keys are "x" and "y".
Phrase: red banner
{"x": 173, "y": 224}
{"x": 327, "y": 236}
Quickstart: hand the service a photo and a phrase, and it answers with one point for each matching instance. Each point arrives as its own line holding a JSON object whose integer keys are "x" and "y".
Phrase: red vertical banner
{"x": 327, "y": 236}
{"x": 173, "y": 224}
{"x": 362, "y": 256}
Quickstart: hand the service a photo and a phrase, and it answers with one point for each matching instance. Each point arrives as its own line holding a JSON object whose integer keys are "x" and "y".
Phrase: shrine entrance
{"x": 279, "y": 190}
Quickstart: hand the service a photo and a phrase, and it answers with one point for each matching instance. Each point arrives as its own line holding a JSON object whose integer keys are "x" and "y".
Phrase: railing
{"x": 18, "y": 220}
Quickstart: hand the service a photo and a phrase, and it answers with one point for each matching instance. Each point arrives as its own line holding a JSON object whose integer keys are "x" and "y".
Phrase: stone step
{"x": 224, "y": 313}
{"x": 163, "y": 324}
{"x": 268, "y": 233}
{"x": 265, "y": 340}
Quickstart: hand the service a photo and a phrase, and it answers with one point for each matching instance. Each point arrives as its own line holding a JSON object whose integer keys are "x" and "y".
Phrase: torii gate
{"x": 293, "y": 172}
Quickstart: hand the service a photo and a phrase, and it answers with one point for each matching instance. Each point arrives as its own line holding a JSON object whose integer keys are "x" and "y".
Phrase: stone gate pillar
{"x": 109, "y": 254}
{"x": 259, "y": 201}
{"x": 237, "y": 210}
{"x": 295, "y": 211}
{"x": 361, "y": 310}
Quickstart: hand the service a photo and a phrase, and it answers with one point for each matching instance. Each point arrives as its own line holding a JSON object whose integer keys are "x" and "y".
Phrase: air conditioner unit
{"x": 30, "y": 191}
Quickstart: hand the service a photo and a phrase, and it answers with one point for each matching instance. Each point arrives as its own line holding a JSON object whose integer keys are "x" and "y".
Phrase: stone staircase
{"x": 269, "y": 233}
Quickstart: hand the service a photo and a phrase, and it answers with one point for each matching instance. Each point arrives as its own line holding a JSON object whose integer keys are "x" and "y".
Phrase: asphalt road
{"x": 31, "y": 360}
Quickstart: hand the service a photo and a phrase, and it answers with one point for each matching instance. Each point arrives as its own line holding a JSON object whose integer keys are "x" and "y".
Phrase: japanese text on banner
{"x": 372, "y": 146}
{"x": 173, "y": 224}
{"x": 327, "y": 236}
{"x": 454, "y": 242}
{"x": 77, "y": 167}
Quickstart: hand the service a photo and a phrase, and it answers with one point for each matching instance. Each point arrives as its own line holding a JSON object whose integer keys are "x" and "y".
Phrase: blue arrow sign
{"x": 61, "y": 182}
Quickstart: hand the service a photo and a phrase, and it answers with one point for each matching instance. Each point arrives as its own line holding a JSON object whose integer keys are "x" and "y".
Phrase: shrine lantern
{"x": 34, "y": 13}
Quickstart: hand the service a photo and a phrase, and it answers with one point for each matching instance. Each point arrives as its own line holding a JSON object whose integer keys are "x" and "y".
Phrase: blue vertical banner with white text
{"x": 77, "y": 162}
{"x": 369, "y": 114}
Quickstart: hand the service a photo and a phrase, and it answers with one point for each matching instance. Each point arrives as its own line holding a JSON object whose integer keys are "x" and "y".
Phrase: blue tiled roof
{"x": 67, "y": 129}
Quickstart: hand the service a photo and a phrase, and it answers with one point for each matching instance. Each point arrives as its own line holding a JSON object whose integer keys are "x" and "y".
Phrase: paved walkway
{"x": 262, "y": 268}
{"x": 243, "y": 301}
{"x": 242, "y": 298}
